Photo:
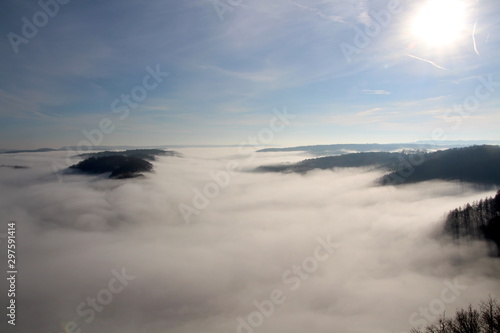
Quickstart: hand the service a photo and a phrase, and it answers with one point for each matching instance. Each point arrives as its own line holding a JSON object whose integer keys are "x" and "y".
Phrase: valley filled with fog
{"x": 205, "y": 244}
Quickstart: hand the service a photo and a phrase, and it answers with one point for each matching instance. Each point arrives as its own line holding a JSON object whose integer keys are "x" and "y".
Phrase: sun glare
{"x": 440, "y": 22}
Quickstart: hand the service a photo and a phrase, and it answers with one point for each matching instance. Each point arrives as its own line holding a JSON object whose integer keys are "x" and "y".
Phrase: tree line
{"x": 486, "y": 319}
{"x": 479, "y": 220}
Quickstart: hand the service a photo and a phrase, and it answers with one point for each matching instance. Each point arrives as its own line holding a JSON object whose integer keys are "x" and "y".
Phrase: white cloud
{"x": 375, "y": 92}
{"x": 364, "y": 16}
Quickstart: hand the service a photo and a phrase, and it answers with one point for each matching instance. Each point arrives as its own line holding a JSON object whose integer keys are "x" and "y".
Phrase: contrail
{"x": 474, "y": 29}
{"x": 474, "y": 38}
{"x": 429, "y": 61}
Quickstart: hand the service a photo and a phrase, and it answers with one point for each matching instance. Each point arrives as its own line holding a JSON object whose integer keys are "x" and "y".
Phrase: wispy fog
{"x": 258, "y": 238}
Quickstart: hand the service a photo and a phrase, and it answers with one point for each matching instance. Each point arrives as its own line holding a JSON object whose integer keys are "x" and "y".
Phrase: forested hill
{"x": 388, "y": 160}
{"x": 479, "y": 220}
{"x": 145, "y": 154}
{"x": 475, "y": 164}
{"x": 120, "y": 164}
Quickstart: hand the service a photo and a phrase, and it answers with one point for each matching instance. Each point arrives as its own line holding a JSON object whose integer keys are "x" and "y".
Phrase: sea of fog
{"x": 203, "y": 244}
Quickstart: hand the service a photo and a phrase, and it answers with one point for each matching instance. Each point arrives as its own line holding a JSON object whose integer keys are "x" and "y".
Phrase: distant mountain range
{"x": 476, "y": 164}
{"x": 339, "y": 149}
{"x": 14, "y": 166}
{"x": 330, "y": 149}
{"x": 41, "y": 150}
{"x": 102, "y": 148}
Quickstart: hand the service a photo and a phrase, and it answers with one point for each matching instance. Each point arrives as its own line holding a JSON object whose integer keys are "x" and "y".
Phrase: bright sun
{"x": 440, "y": 22}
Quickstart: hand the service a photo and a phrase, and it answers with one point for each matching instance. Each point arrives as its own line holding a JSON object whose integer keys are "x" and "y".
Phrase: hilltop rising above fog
{"x": 146, "y": 154}
{"x": 120, "y": 164}
{"x": 475, "y": 164}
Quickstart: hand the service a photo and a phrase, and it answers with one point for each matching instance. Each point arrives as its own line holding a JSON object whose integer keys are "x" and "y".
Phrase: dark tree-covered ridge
{"x": 120, "y": 166}
{"x": 475, "y": 164}
{"x": 384, "y": 159}
{"x": 145, "y": 154}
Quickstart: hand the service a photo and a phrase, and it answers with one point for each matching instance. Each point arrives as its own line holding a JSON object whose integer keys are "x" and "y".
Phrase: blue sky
{"x": 228, "y": 71}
